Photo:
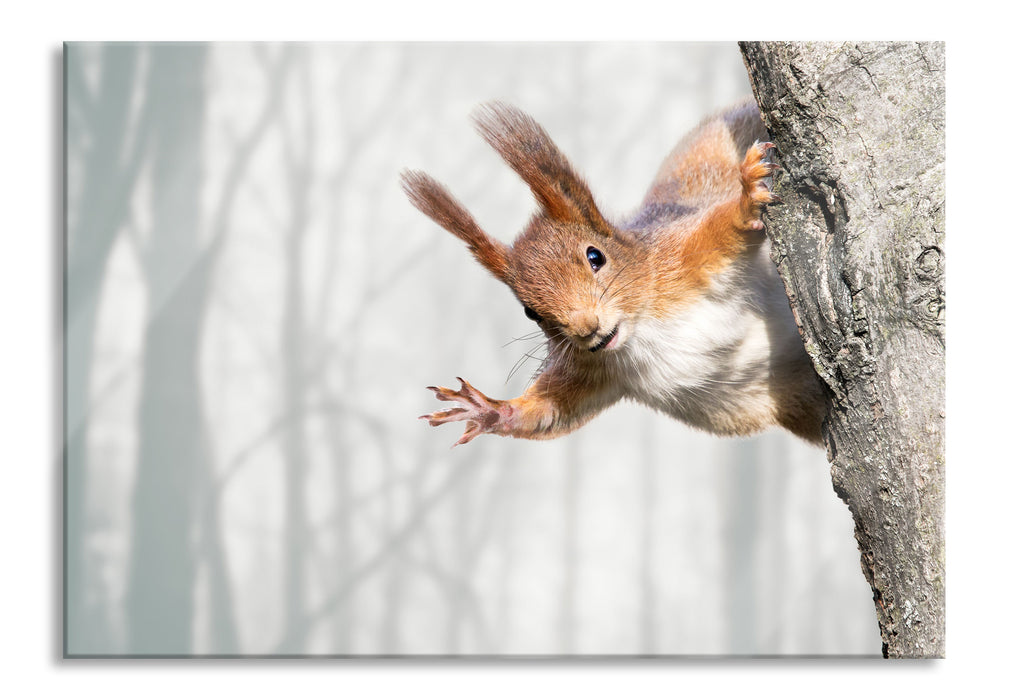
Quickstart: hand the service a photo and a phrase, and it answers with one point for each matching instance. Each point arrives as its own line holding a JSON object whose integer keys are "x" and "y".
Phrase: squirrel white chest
{"x": 705, "y": 352}
{"x": 710, "y": 364}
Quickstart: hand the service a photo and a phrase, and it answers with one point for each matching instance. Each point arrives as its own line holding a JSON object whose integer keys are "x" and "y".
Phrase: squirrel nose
{"x": 583, "y": 323}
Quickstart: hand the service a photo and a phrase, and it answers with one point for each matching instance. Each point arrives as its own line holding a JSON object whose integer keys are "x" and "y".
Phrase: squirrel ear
{"x": 531, "y": 153}
{"x": 428, "y": 195}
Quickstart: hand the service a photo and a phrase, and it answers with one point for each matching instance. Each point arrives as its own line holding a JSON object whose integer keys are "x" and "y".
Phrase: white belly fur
{"x": 709, "y": 364}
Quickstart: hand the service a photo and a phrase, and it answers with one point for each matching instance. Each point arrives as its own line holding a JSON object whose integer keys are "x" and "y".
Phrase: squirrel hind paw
{"x": 755, "y": 172}
{"x": 756, "y": 166}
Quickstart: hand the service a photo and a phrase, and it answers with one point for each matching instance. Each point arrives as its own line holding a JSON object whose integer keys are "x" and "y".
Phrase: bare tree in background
{"x": 859, "y": 242}
{"x": 340, "y": 363}
{"x": 336, "y": 370}
{"x": 174, "y": 463}
{"x": 299, "y": 149}
{"x": 742, "y": 523}
{"x": 109, "y": 167}
{"x": 647, "y": 627}
{"x": 173, "y": 445}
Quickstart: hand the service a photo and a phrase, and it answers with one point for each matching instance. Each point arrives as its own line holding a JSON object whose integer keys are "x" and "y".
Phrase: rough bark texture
{"x": 859, "y": 242}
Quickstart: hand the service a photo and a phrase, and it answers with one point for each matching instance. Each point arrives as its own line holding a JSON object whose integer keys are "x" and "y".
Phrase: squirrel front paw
{"x": 482, "y": 414}
{"x": 756, "y": 193}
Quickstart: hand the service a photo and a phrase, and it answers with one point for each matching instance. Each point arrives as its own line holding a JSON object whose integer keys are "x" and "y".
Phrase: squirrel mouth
{"x": 605, "y": 340}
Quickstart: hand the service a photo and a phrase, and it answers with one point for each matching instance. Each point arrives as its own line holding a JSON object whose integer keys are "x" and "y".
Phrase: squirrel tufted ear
{"x": 531, "y": 153}
{"x": 428, "y": 195}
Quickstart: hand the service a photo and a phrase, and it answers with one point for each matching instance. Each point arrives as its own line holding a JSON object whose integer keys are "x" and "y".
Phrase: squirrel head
{"x": 570, "y": 268}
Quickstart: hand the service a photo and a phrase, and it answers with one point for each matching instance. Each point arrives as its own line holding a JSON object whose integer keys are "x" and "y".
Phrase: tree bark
{"x": 859, "y": 242}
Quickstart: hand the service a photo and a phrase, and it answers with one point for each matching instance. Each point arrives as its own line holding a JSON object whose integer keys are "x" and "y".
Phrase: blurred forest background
{"x": 253, "y": 312}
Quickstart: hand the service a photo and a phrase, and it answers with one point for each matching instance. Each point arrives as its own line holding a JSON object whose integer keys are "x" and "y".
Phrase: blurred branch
{"x": 276, "y": 82}
{"x": 261, "y": 54}
{"x": 233, "y": 311}
{"x": 383, "y": 489}
{"x": 489, "y": 515}
{"x": 109, "y": 388}
{"x": 354, "y": 138}
{"x": 294, "y": 387}
{"x": 94, "y": 220}
{"x": 409, "y": 529}
{"x": 259, "y": 196}
{"x": 79, "y": 97}
{"x": 388, "y": 284}
{"x": 211, "y": 552}
{"x": 456, "y": 591}
{"x": 110, "y": 168}
{"x": 133, "y": 236}
{"x": 282, "y": 422}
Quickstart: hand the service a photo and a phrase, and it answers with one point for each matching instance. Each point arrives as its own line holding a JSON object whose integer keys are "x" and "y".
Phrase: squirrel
{"x": 678, "y": 307}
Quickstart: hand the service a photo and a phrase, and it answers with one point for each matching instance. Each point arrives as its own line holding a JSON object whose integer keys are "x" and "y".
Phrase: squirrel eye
{"x": 595, "y": 257}
{"x": 532, "y": 315}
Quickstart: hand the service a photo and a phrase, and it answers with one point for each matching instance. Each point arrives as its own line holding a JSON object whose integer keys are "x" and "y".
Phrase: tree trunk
{"x": 299, "y": 149}
{"x": 859, "y": 243}
{"x": 172, "y": 457}
{"x": 107, "y": 174}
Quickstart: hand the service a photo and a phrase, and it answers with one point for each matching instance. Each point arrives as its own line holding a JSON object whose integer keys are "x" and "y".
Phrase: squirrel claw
{"x": 753, "y": 173}
{"x": 472, "y": 430}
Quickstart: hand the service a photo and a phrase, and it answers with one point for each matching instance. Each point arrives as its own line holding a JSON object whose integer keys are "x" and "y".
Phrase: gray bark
{"x": 859, "y": 241}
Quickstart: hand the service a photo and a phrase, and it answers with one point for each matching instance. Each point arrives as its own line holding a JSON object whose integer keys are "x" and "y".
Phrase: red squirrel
{"x": 678, "y": 307}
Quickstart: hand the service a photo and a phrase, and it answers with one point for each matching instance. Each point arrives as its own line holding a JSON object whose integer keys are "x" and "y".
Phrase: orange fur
{"x": 432, "y": 199}
{"x": 531, "y": 153}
